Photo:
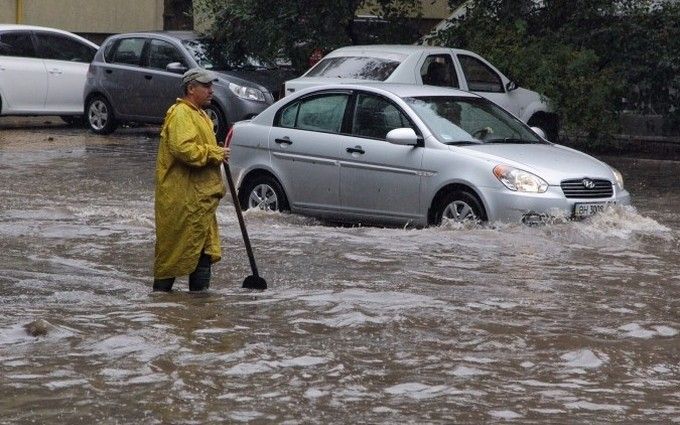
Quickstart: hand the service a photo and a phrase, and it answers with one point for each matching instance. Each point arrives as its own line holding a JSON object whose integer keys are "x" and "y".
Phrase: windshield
{"x": 362, "y": 68}
{"x": 462, "y": 120}
{"x": 208, "y": 55}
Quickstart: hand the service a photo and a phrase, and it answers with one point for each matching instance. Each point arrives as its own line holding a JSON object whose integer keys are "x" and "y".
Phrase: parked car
{"x": 437, "y": 66}
{"x": 42, "y": 71}
{"x": 391, "y": 153}
{"x": 135, "y": 77}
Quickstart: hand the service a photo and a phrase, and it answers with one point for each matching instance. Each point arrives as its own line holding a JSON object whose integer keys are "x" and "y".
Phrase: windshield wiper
{"x": 511, "y": 140}
{"x": 464, "y": 142}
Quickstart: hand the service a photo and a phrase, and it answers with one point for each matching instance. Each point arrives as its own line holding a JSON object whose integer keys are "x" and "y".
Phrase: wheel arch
{"x": 98, "y": 93}
{"x": 449, "y": 188}
{"x": 254, "y": 173}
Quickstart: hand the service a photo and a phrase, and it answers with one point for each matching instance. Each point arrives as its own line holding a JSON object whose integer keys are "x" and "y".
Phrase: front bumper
{"x": 517, "y": 207}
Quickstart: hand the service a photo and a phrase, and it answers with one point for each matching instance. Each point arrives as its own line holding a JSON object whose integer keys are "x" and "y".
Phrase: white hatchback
{"x": 43, "y": 71}
{"x": 435, "y": 66}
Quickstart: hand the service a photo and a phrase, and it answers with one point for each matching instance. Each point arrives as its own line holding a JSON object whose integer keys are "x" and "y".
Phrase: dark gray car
{"x": 135, "y": 77}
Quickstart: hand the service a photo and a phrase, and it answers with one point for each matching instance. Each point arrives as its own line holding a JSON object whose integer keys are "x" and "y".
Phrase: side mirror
{"x": 402, "y": 136}
{"x": 176, "y": 68}
{"x": 511, "y": 86}
{"x": 539, "y": 131}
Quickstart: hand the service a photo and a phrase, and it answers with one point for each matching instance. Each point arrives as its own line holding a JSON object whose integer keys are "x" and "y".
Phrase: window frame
{"x": 146, "y": 54}
{"x": 352, "y": 106}
{"x": 114, "y": 50}
{"x": 40, "y": 45}
{"x": 452, "y": 64}
{"x": 491, "y": 70}
{"x": 343, "y": 125}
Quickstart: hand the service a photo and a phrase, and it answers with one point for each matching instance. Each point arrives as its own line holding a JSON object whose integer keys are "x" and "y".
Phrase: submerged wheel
{"x": 99, "y": 115}
{"x": 459, "y": 206}
{"x": 265, "y": 193}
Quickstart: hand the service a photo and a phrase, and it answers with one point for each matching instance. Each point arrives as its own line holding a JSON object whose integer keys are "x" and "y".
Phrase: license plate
{"x": 591, "y": 208}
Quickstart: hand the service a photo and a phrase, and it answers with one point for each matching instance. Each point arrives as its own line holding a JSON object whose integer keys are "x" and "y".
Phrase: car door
{"x": 66, "y": 61}
{"x": 161, "y": 87}
{"x": 23, "y": 77}
{"x": 378, "y": 179}
{"x": 304, "y": 144}
{"x": 124, "y": 76}
{"x": 480, "y": 78}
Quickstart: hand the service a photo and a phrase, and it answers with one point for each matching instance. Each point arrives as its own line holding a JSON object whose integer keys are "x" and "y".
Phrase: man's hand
{"x": 227, "y": 152}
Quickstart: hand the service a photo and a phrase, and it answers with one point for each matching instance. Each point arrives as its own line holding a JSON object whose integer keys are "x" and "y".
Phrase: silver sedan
{"x": 387, "y": 153}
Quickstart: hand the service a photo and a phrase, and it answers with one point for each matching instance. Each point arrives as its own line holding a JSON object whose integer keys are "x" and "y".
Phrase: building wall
{"x": 86, "y": 16}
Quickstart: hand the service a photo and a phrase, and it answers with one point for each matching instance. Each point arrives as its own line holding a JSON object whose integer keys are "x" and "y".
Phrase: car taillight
{"x": 230, "y": 135}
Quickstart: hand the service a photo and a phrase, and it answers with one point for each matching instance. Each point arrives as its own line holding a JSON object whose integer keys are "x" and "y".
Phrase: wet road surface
{"x": 570, "y": 323}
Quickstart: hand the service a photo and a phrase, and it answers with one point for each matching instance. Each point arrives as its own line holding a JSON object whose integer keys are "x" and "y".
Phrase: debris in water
{"x": 37, "y": 328}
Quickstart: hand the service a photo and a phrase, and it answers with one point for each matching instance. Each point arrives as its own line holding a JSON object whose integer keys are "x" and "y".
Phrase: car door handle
{"x": 108, "y": 71}
{"x": 284, "y": 141}
{"x": 357, "y": 149}
{"x": 55, "y": 71}
{"x": 148, "y": 77}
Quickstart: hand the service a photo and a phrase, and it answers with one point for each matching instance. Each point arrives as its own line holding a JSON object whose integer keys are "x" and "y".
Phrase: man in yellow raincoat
{"x": 189, "y": 187}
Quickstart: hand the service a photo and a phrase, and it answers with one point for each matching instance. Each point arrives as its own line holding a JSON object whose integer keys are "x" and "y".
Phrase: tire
{"x": 263, "y": 192}
{"x": 99, "y": 115}
{"x": 219, "y": 122}
{"x": 459, "y": 206}
{"x": 73, "y": 120}
{"x": 549, "y": 123}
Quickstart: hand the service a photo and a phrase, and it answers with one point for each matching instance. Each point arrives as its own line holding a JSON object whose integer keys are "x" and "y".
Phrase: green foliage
{"x": 292, "y": 29}
{"x": 592, "y": 58}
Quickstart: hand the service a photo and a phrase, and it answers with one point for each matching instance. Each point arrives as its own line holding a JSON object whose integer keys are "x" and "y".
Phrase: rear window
{"x": 357, "y": 67}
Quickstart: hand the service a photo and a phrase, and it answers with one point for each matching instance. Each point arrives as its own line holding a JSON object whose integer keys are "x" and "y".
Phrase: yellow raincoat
{"x": 189, "y": 187}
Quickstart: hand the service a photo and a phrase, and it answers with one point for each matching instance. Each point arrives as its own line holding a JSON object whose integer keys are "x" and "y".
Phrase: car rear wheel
{"x": 459, "y": 206}
{"x": 264, "y": 193}
{"x": 219, "y": 122}
{"x": 100, "y": 116}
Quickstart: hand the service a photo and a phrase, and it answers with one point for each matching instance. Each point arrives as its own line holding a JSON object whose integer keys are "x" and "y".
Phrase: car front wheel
{"x": 459, "y": 206}
{"x": 219, "y": 122}
{"x": 264, "y": 193}
{"x": 100, "y": 116}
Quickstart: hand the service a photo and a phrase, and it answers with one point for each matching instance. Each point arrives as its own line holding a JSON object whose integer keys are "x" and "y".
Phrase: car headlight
{"x": 247, "y": 92}
{"x": 519, "y": 180}
{"x": 618, "y": 177}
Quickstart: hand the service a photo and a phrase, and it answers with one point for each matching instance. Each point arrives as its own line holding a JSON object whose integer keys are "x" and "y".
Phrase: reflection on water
{"x": 574, "y": 322}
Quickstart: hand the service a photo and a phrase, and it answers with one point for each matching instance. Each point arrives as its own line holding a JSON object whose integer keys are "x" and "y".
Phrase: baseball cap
{"x": 198, "y": 74}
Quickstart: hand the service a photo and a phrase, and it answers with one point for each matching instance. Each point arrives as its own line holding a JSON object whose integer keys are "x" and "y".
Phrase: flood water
{"x": 569, "y": 323}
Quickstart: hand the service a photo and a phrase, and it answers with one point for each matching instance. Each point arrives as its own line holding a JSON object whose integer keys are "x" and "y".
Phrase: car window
{"x": 161, "y": 53}
{"x": 128, "y": 51}
{"x": 375, "y": 116}
{"x": 363, "y": 68}
{"x": 479, "y": 76}
{"x": 60, "y": 47}
{"x": 17, "y": 44}
{"x": 438, "y": 70}
{"x": 289, "y": 115}
{"x": 464, "y": 119}
{"x": 320, "y": 113}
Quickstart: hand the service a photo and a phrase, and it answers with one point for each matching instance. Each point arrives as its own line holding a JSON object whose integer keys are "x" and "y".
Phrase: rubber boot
{"x": 163, "y": 285}
{"x": 199, "y": 280}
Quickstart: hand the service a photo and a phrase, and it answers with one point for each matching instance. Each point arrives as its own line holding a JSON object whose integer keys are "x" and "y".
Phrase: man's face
{"x": 201, "y": 93}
